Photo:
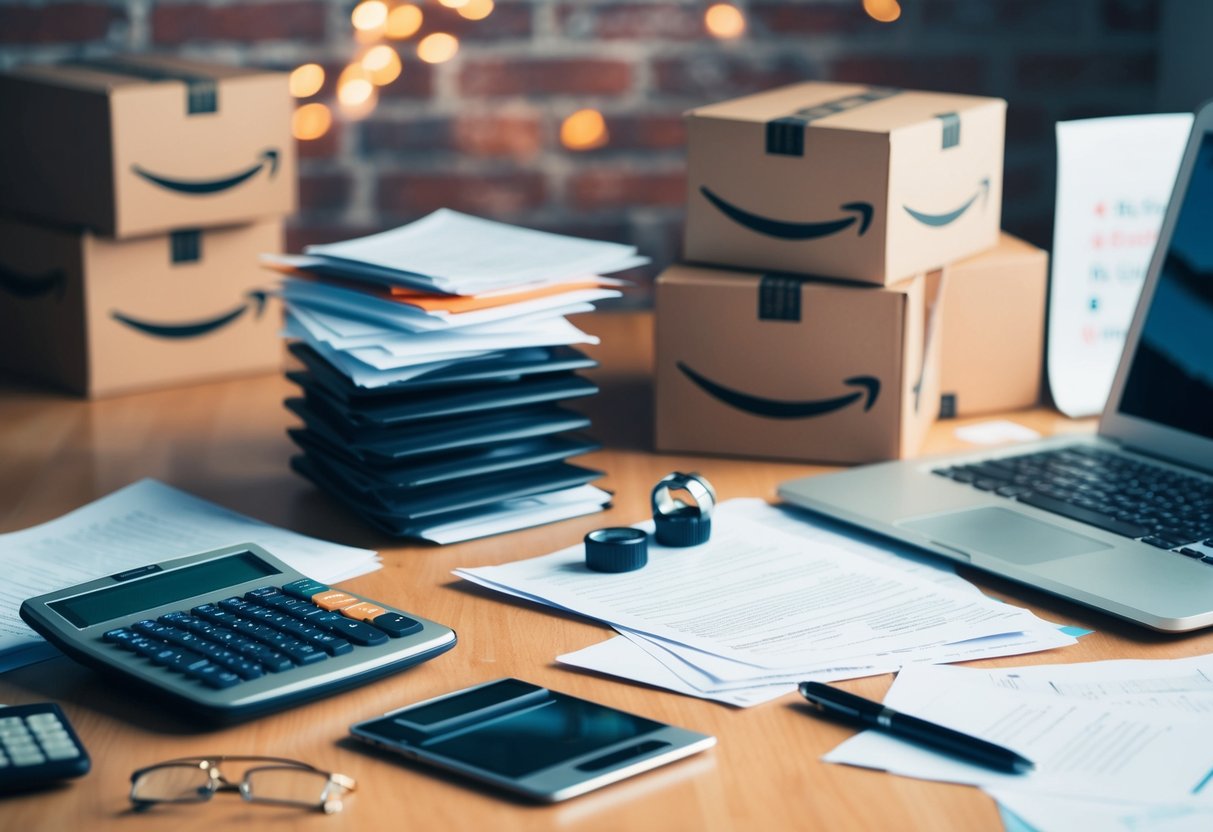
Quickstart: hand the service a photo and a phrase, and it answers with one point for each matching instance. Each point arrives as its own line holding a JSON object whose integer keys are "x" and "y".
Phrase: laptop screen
{"x": 1170, "y": 380}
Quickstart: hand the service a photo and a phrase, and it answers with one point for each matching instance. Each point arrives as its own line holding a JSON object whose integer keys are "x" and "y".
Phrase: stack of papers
{"x": 1117, "y": 744}
{"x": 436, "y": 357}
{"x": 147, "y": 522}
{"x": 771, "y": 600}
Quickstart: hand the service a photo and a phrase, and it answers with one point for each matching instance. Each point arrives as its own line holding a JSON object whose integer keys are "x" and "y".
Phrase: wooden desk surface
{"x": 226, "y": 442}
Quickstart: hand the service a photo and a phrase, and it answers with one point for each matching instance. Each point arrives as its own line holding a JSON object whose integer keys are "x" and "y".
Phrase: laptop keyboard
{"x": 1156, "y": 505}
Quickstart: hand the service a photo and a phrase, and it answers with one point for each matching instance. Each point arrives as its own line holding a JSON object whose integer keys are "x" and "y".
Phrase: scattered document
{"x": 1037, "y": 812}
{"x": 145, "y": 522}
{"x": 1081, "y": 747}
{"x": 1114, "y": 180}
{"x": 770, "y": 600}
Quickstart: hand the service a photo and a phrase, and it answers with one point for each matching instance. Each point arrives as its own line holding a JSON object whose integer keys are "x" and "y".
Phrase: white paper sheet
{"x": 145, "y": 522}
{"x": 995, "y": 432}
{"x": 760, "y": 596}
{"x": 523, "y": 513}
{"x": 1056, "y": 813}
{"x": 1114, "y": 179}
{"x": 398, "y": 316}
{"x": 1080, "y": 748}
{"x": 467, "y": 254}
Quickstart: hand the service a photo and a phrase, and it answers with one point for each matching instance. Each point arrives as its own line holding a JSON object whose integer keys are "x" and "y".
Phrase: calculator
{"x": 38, "y": 746}
{"x": 231, "y": 633}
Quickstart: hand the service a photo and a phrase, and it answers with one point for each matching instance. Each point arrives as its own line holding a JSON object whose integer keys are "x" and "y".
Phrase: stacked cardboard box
{"x": 845, "y": 214}
{"x": 136, "y": 194}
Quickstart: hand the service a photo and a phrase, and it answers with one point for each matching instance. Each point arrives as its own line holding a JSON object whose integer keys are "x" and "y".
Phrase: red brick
{"x": 25, "y": 23}
{"x": 643, "y": 132}
{"x": 415, "y": 81}
{"x": 542, "y": 76}
{"x": 326, "y": 147}
{"x": 504, "y": 195}
{"x": 511, "y": 136}
{"x": 782, "y": 18}
{"x": 300, "y": 233}
{"x": 1068, "y": 71}
{"x": 715, "y": 76}
{"x": 952, "y": 73}
{"x": 508, "y": 21}
{"x": 298, "y": 20}
{"x": 598, "y": 189}
{"x": 1131, "y": 15}
{"x": 632, "y": 21}
{"x": 324, "y": 192}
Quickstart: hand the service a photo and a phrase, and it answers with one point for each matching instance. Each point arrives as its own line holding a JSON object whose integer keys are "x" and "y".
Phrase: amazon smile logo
{"x": 33, "y": 285}
{"x": 949, "y": 217}
{"x": 194, "y": 329}
{"x": 202, "y": 187}
{"x": 784, "y": 409}
{"x": 861, "y": 215}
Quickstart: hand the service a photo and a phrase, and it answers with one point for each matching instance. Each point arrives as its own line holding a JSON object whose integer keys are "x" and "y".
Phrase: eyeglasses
{"x": 266, "y": 780}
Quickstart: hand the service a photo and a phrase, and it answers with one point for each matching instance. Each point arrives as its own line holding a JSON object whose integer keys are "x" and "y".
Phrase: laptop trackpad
{"x": 1003, "y": 534}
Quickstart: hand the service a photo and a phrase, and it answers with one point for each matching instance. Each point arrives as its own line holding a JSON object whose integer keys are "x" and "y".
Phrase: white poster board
{"x": 1114, "y": 178}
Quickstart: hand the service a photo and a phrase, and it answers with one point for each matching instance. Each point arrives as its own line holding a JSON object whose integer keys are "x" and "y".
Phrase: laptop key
{"x": 1082, "y": 515}
{"x": 1161, "y": 542}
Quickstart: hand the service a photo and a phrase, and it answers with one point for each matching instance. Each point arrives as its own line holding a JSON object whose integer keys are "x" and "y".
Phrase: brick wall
{"x": 481, "y": 132}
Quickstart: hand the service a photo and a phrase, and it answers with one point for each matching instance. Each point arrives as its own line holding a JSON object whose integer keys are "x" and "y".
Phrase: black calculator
{"x": 232, "y": 633}
{"x": 38, "y": 747}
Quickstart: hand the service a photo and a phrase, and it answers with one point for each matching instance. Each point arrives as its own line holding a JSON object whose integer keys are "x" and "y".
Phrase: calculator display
{"x": 164, "y": 588}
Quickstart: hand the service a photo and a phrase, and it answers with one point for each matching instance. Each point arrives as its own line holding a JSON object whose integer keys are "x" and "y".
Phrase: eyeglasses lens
{"x": 297, "y": 786}
{"x": 173, "y": 784}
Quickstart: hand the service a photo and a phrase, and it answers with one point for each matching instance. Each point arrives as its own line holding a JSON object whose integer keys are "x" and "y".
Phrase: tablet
{"x": 545, "y": 745}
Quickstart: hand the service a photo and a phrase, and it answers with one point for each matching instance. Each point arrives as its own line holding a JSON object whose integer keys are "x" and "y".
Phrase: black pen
{"x": 871, "y": 714}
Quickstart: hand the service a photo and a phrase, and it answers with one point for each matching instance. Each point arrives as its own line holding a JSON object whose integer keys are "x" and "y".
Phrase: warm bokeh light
{"x": 306, "y": 80}
{"x": 382, "y": 64}
{"x": 403, "y": 21}
{"x": 438, "y": 47}
{"x": 356, "y": 92}
{"x": 454, "y": 4}
{"x": 886, "y": 11}
{"x": 311, "y": 121}
{"x": 369, "y": 15}
{"x": 726, "y": 21}
{"x": 584, "y": 130}
{"x": 476, "y": 9}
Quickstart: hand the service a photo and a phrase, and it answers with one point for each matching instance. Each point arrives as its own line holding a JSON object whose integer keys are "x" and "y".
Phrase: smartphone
{"x": 539, "y": 743}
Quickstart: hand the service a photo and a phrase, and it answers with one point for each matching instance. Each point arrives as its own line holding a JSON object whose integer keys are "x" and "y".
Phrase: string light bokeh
{"x": 378, "y": 25}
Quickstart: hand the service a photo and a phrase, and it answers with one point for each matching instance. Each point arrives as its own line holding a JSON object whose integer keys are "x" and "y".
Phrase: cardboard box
{"x": 139, "y": 145}
{"x": 992, "y": 340}
{"x": 839, "y": 180}
{"x": 783, "y": 367}
{"x": 102, "y": 316}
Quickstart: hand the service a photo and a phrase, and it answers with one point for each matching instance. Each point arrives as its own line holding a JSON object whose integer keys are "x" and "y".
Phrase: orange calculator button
{"x": 363, "y": 612}
{"x": 334, "y": 600}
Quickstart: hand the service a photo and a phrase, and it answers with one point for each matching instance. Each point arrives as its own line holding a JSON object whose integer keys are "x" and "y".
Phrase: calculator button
{"x": 255, "y": 595}
{"x": 363, "y": 611}
{"x": 271, "y": 660}
{"x": 334, "y": 600}
{"x": 348, "y": 628}
{"x": 396, "y": 625}
{"x": 26, "y": 759}
{"x": 303, "y": 653}
{"x": 304, "y": 588}
{"x": 66, "y": 752}
{"x": 216, "y": 677}
{"x": 9, "y": 722}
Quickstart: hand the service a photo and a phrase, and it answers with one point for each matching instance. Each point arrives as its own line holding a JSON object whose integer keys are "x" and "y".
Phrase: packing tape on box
{"x": 785, "y": 135}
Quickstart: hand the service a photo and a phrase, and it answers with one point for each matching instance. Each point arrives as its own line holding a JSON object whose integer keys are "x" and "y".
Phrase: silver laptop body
{"x": 1159, "y": 411}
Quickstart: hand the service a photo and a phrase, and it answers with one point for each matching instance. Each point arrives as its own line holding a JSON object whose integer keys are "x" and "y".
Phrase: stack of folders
{"x": 435, "y": 357}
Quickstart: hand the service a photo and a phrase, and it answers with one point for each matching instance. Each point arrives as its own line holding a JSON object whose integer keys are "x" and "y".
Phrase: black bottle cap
{"x": 616, "y": 549}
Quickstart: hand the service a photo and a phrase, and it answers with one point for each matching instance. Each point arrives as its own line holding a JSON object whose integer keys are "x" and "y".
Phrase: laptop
{"x": 1121, "y": 521}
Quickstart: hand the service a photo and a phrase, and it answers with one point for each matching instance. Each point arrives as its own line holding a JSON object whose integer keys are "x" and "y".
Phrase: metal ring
{"x": 664, "y": 502}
